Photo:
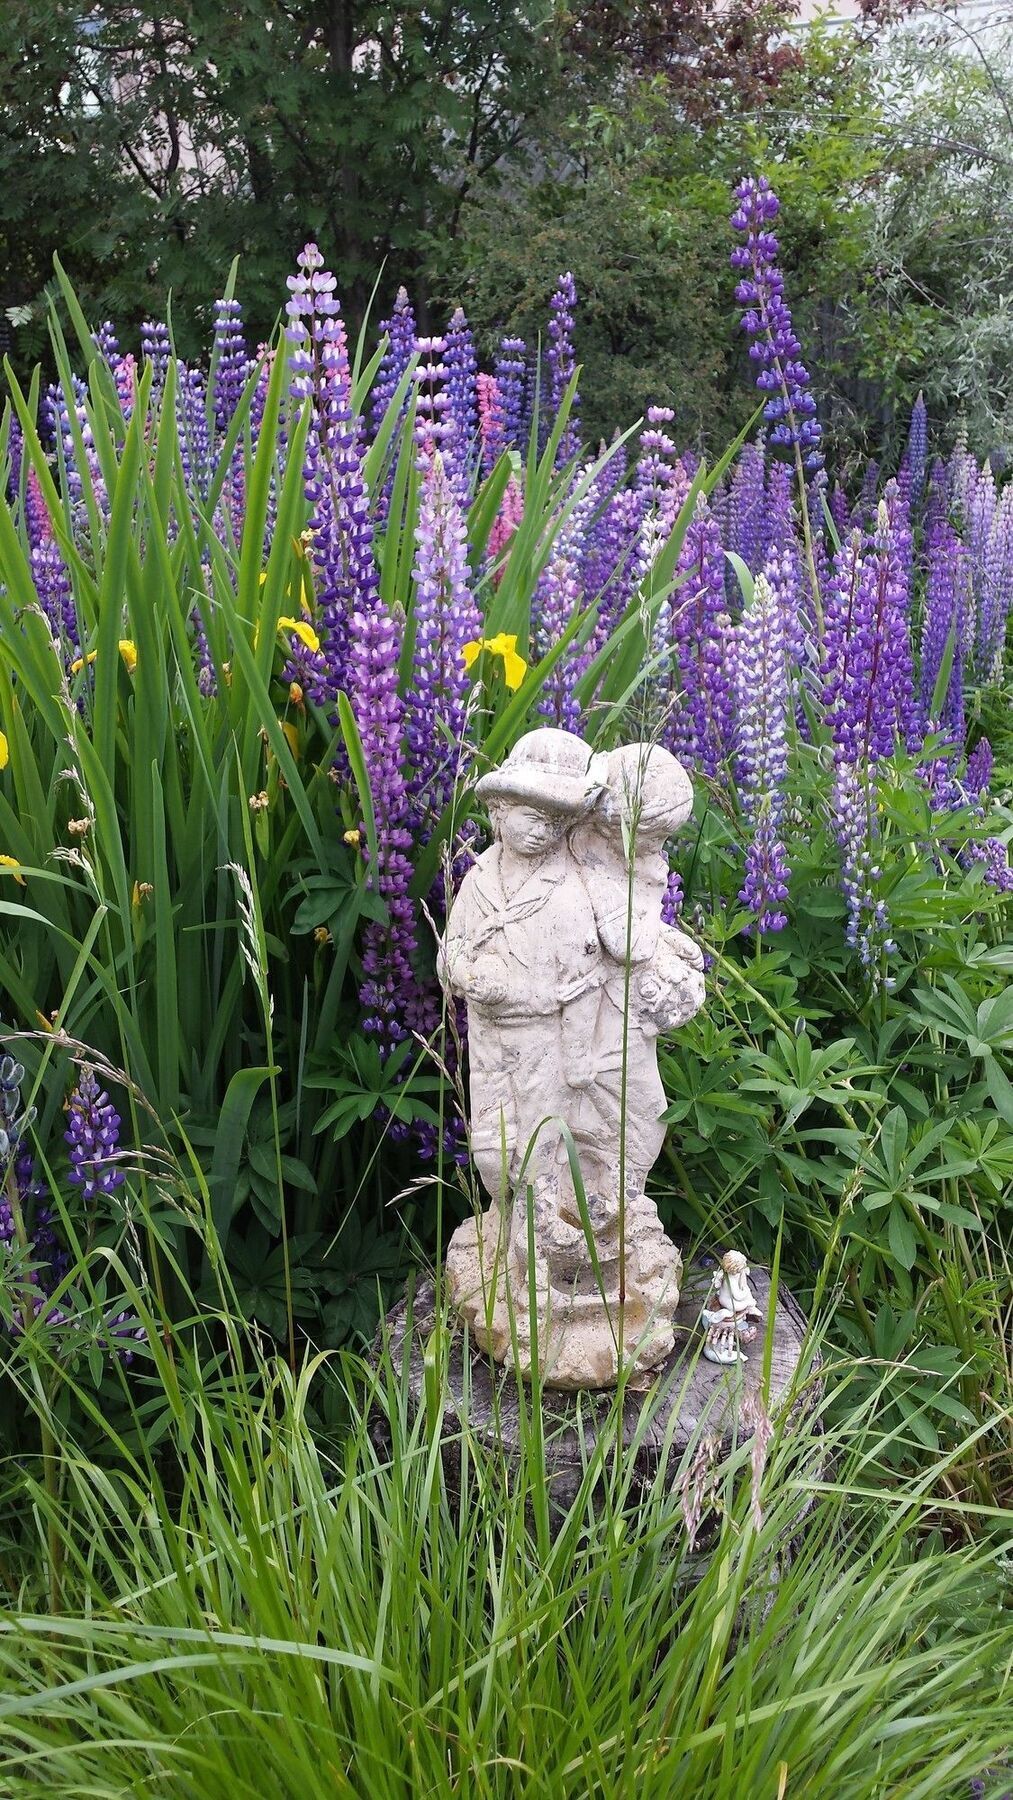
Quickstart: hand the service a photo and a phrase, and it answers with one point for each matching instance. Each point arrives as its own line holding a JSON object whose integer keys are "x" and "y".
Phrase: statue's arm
{"x": 466, "y": 960}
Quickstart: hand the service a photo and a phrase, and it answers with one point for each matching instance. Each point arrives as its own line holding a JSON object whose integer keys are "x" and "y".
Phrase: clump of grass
{"x": 255, "y": 1609}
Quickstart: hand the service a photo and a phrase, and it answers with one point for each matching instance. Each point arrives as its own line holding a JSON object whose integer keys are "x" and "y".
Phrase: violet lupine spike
{"x": 661, "y": 484}
{"x": 106, "y": 341}
{"x": 978, "y": 774}
{"x": 917, "y": 452}
{"x": 232, "y": 362}
{"x": 334, "y": 483}
{"x": 855, "y": 810}
{"x": 763, "y": 702}
{"x": 611, "y": 565}
{"x": 446, "y": 618}
{"x": 558, "y": 596}
{"x": 994, "y": 584}
{"x": 434, "y": 427}
{"x": 16, "y": 452}
{"x": 868, "y": 683}
{"x": 947, "y": 600}
{"x": 672, "y": 899}
{"x": 93, "y": 1133}
{"x": 390, "y": 991}
{"x": 462, "y": 370}
{"x": 747, "y": 508}
{"x": 194, "y": 435}
{"x": 400, "y": 332}
{"x": 510, "y": 374}
{"x": 56, "y": 596}
{"x": 156, "y": 349}
{"x": 562, "y": 365}
{"x": 700, "y": 729}
{"x": 790, "y": 410}
{"x": 840, "y": 511}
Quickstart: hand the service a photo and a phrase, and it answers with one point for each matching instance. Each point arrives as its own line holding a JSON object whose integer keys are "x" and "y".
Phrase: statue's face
{"x": 527, "y": 832}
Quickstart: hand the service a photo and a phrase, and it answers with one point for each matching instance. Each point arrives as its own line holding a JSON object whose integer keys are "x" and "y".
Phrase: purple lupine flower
{"x": 510, "y": 373}
{"x": 93, "y": 1133}
{"x": 992, "y": 566}
{"x": 106, "y": 341}
{"x": 156, "y": 348}
{"x": 783, "y": 572}
{"x": 762, "y": 699}
{"x": 232, "y": 362}
{"x": 334, "y": 483}
{"x": 562, "y": 363}
{"x": 978, "y": 774}
{"x": 56, "y": 595}
{"x": 947, "y": 601}
{"x": 194, "y": 434}
{"x": 840, "y": 511}
{"x": 661, "y": 485}
{"x": 610, "y": 562}
{"x": 748, "y": 508}
{"x": 700, "y": 730}
{"x": 868, "y": 686}
{"x": 558, "y": 596}
{"x": 790, "y": 409}
{"x": 994, "y": 856}
{"x": 672, "y": 899}
{"x": 864, "y": 515}
{"x": 399, "y": 330}
{"x": 916, "y": 455}
{"x": 462, "y": 370}
{"x": 389, "y": 991}
{"x": 434, "y": 427}
{"x": 868, "y": 927}
{"x": 446, "y": 618}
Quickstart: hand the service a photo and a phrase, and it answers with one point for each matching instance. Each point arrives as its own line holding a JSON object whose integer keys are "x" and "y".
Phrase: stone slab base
{"x": 689, "y": 1395}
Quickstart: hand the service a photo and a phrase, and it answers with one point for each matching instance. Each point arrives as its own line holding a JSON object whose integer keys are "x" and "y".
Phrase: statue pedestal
{"x": 689, "y": 1397}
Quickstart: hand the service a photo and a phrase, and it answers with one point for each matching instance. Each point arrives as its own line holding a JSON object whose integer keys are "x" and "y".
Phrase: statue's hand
{"x": 482, "y": 983}
{"x": 685, "y": 948}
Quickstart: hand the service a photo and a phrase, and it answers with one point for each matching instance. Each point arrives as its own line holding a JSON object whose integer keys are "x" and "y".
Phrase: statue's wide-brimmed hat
{"x": 551, "y": 770}
{"x": 648, "y": 786}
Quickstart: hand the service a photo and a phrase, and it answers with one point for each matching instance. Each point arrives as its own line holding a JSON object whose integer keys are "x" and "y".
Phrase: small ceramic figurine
{"x": 730, "y": 1313}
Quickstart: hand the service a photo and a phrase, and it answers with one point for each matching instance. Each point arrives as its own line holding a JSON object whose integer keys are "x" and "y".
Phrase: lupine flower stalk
{"x": 93, "y": 1133}
{"x": 510, "y": 375}
{"x": 700, "y": 728}
{"x": 789, "y": 409}
{"x": 446, "y": 618}
{"x": 761, "y": 752}
{"x": 562, "y": 363}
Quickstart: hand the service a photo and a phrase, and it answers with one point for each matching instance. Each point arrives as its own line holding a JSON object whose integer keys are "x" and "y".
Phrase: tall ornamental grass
{"x": 258, "y": 1607}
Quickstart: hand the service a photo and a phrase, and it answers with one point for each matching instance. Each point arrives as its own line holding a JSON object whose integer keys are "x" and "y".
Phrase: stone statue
{"x": 730, "y": 1313}
{"x": 557, "y": 945}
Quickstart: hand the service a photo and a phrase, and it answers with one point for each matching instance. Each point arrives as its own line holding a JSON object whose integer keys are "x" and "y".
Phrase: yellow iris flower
{"x": 127, "y": 649}
{"x": 305, "y": 633}
{"x": 504, "y": 644}
{"x": 5, "y": 751}
{"x": 11, "y": 866}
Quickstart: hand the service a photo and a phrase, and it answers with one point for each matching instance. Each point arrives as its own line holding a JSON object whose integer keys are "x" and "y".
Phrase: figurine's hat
{"x": 648, "y": 786}
{"x": 552, "y": 770}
